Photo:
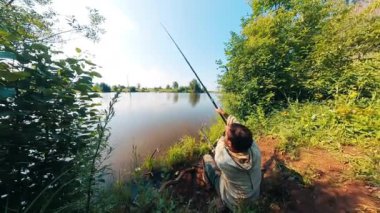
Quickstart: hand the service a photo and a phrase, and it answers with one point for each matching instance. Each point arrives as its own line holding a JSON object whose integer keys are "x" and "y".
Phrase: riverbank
{"x": 310, "y": 159}
{"x": 288, "y": 185}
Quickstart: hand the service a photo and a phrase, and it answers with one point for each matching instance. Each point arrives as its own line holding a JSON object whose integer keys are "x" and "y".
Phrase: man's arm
{"x": 230, "y": 119}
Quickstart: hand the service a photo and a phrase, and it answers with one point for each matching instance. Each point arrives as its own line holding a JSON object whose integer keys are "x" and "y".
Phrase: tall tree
{"x": 175, "y": 85}
{"x": 194, "y": 86}
{"x": 105, "y": 87}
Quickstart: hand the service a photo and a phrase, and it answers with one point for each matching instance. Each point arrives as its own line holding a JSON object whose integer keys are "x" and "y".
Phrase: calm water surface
{"x": 154, "y": 120}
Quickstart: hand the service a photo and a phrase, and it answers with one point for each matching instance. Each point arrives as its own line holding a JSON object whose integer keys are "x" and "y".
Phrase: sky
{"x": 136, "y": 50}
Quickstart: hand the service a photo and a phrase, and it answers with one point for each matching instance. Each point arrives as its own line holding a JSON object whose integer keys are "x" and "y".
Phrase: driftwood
{"x": 176, "y": 180}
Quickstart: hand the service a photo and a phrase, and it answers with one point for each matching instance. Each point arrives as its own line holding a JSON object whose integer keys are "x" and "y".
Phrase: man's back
{"x": 240, "y": 174}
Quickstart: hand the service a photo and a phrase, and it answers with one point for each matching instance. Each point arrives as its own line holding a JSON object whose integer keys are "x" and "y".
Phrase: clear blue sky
{"x": 137, "y": 48}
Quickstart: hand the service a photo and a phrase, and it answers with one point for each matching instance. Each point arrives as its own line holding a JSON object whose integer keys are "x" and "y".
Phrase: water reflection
{"x": 194, "y": 99}
{"x": 175, "y": 98}
{"x": 152, "y": 120}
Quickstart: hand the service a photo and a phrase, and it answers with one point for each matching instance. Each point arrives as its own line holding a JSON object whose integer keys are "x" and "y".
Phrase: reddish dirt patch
{"x": 197, "y": 195}
{"x": 314, "y": 183}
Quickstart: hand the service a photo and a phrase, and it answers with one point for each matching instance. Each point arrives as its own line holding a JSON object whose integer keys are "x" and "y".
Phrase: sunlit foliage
{"x": 51, "y": 135}
{"x": 302, "y": 50}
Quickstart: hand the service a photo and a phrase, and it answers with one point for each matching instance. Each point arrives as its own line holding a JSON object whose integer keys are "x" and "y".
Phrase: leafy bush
{"x": 300, "y": 51}
{"x": 52, "y": 133}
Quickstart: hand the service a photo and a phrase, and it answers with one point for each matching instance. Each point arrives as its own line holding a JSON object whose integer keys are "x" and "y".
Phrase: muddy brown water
{"x": 154, "y": 120}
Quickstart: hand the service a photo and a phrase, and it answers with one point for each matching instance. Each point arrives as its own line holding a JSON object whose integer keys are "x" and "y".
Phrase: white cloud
{"x": 109, "y": 52}
{"x": 130, "y": 48}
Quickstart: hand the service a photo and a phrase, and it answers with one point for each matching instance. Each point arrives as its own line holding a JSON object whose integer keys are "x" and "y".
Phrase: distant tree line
{"x": 193, "y": 87}
{"x": 103, "y": 87}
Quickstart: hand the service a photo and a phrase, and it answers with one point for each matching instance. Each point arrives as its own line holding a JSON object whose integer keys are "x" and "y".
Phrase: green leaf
{"x": 7, "y": 55}
{"x": 4, "y": 33}
{"x": 89, "y": 62}
{"x": 78, "y": 50}
{"x": 95, "y": 74}
{"x": 13, "y": 76}
{"x": 83, "y": 87}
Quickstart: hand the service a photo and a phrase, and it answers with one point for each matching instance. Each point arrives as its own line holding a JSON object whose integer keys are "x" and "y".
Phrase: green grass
{"x": 138, "y": 194}
{"x": 187, "y": 150}
{"x": 329, "y": 125}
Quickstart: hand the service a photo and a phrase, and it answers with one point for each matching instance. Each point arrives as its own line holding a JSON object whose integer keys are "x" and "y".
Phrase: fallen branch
{"x": 176, "y": 180}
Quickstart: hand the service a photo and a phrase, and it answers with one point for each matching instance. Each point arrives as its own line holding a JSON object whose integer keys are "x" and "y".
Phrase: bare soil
{"x": 317, "y": 181}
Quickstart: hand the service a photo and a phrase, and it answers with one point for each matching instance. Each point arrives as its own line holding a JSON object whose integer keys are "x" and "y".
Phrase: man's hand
{"x": 221, "y": 111}
{"x": 230, "y": 119}
{"x": 226, "y": 116}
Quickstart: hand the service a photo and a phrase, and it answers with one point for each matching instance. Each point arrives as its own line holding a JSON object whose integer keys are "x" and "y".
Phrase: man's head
{"x": 238, "y": 137}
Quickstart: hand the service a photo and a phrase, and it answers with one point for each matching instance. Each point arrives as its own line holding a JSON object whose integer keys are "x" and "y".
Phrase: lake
{"x": 154, "y": 120}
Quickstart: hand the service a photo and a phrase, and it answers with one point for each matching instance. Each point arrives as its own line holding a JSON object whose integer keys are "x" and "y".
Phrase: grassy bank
{"x": 345, "y": 124}
{"x": 141, "y": 192}
{"x": 334, "y": 126}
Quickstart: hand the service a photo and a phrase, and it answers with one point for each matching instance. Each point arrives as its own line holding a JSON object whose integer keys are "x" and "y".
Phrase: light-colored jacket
{"x": 240, "y": 173}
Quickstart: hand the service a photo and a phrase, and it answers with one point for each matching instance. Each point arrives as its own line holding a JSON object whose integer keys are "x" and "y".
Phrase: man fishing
{"x": 235, "y": 172}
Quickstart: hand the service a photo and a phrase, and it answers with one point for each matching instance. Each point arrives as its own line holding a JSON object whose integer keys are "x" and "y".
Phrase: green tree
{"x": 132, "y": 89}
{"x": 50, "y": 133}
{"x": 175, "y": 85}
{"x": 182, "y": 89}
{"x": 194, "y": 86}
{"x": 96, "y": 88}
{"x": 295, "y": 50}
{"x": 105, "y": 87}
{"x": 116, "y": 88}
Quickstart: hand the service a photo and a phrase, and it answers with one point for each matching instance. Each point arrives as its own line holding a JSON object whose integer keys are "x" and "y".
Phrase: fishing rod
{"x": 192, "y": 69}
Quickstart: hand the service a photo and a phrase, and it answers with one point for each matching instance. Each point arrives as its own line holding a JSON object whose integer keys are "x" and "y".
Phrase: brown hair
{"x": 240, "y": 137}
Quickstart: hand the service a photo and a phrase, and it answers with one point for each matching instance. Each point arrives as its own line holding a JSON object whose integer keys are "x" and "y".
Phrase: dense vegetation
{"x": 302, "y": 51}
{"x": 52, "y": 133}
{"x": 308, "y": 72}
